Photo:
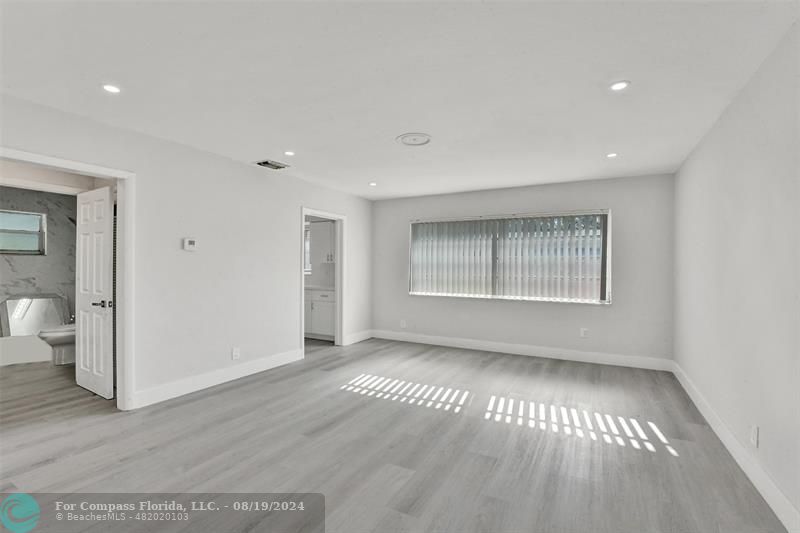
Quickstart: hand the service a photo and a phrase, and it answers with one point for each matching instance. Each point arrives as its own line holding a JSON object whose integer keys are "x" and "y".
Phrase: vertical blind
{"x": 559, "y": 258}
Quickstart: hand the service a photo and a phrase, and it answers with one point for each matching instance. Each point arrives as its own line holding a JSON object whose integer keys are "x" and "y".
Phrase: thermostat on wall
{"x": 189, "y": 244}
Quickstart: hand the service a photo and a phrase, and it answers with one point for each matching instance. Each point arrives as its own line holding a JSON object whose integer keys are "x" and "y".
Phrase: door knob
{"x": 101, "y": 303}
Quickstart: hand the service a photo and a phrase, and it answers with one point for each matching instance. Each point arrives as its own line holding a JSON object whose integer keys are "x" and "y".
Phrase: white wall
{"x": 637, "y": 324}
{"x": 737, "y": 312}
{"x": 242, "y": 287}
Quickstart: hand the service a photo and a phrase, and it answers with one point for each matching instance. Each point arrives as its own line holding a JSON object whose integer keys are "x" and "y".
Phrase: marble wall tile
{"x": 53, "y": 273}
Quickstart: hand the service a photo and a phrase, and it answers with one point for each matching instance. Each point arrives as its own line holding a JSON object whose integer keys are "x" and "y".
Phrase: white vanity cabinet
{"x": 320, "y": 313}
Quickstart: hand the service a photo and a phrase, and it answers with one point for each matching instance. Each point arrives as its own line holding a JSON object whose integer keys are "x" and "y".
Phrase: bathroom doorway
{"x": 90, "y": 331}
{"x": 322, "y": 268}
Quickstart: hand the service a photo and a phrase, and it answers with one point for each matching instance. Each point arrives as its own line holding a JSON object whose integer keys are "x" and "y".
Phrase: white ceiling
{"x": 512, "y": 93}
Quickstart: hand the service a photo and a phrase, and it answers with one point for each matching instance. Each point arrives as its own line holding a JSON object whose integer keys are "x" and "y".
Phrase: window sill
{"x": 512, "y": 298}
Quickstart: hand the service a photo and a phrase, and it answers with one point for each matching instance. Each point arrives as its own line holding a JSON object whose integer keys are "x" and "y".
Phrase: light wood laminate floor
{"x": 607, "y": 449}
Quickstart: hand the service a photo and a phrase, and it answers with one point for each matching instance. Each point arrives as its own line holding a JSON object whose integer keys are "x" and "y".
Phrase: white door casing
{"x": 340, "y": 283}
{"x": 94, "y": 359}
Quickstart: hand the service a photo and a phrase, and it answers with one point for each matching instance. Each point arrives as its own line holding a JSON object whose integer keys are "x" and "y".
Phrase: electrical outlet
{"x": 403, "y": 324}
{"x": 754, "y": 435}
{"x": 236, "y": 353}
{"x": 584, "y": 332}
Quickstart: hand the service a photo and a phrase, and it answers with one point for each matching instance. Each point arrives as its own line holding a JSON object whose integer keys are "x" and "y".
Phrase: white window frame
{"x": 605, "y": 269}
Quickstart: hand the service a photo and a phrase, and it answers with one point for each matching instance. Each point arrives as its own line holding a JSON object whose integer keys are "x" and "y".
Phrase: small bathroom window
{"x": 23, "y": 233}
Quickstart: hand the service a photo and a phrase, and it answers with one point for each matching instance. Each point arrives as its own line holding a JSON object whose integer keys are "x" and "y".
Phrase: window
{"x": 23, "y": 233}
{"x": 307, "y": 249}
{"x": 561, "y": 258}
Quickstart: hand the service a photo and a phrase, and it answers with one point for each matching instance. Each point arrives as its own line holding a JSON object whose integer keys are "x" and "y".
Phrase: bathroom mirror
{"x": 28, "y": 315}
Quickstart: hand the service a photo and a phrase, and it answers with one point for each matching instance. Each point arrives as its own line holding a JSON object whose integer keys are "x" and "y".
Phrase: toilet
{"x": 62, "y": 340}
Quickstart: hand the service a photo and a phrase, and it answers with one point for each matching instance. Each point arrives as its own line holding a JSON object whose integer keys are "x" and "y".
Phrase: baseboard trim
{"x": 179, "y": 387}
{"x": 633, "y": 361}
{"x": 358, "y": 336}
{"x": 318, "y": 337}
{"x": 776, "y": 499}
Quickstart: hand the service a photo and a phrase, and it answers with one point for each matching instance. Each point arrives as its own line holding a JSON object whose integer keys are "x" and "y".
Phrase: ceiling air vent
{"x": 274, "y": 165}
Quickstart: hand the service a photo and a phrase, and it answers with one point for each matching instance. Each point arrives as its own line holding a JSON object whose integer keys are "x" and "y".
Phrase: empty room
{"x": 414, "y": 267}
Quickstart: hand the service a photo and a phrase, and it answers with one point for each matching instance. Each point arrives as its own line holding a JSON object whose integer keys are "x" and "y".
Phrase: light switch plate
{"x": 189, "y": 244}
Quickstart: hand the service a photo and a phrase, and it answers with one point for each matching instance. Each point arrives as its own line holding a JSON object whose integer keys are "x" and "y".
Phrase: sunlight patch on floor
{"x": 612, "y": 429}
{"x": 436, "y": 397}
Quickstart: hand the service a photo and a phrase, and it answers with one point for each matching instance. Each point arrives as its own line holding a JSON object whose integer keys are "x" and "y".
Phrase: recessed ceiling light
{"x": 620, "y": 85}
{"x": 373, "y": 184}
{"x": 288, "y": 153}
{"x": 413, "y": 139}
{"x": 111, "y": 89}
{"x": 612, "y": 155}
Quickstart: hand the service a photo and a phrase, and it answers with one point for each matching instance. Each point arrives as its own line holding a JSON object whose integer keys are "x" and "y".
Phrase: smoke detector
{"x": 414, "y": 139}
{"x": 274, "y": 165}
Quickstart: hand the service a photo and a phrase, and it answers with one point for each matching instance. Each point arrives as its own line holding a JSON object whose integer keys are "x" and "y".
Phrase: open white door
{"x": 94, "y": 350}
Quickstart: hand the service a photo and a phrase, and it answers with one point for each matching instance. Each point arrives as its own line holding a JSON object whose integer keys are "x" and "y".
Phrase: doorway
{"x": 103, "y": 308}
{"x": 322, "y": 268}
